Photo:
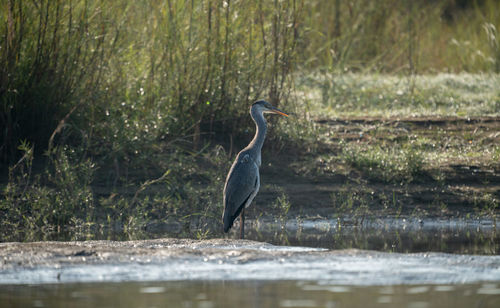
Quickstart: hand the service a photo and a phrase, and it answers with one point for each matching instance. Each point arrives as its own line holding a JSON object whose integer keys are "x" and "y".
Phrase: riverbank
{"x": 179, "y": 259}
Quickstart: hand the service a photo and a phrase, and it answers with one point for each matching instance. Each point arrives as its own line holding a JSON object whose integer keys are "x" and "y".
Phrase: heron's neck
{"x": 260, "y": 134}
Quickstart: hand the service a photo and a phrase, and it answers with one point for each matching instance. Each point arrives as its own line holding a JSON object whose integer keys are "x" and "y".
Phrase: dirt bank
{"x": 176, "y": 259}
{"x": 459, "y": 172}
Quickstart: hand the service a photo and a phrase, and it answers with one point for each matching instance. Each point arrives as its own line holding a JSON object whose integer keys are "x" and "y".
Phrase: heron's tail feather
{"x": 228, "y": 222}
{"x": 228, "y": 219}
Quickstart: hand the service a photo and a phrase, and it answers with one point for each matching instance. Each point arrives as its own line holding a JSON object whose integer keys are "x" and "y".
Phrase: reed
{"x": 114, "y": 93}
{"x": 154, "y": 68}
{"x": 398, "y": 36}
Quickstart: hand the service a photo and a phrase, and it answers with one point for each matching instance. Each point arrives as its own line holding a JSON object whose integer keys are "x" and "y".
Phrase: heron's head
{"x": 266, "y": 107}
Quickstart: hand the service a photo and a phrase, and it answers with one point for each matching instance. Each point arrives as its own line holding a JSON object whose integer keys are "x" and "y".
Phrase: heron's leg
{"x": 242, "y": 224}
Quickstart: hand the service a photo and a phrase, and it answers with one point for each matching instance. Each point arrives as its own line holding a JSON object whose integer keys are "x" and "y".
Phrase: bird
{"x": 243, "y": 180}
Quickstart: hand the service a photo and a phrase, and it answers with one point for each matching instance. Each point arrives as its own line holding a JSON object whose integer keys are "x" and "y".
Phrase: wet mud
{"x": 223, "y": 259}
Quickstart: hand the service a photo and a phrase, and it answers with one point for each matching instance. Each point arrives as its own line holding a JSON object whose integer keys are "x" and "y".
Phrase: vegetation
{"x": 354, "y": 94}
{"x": 410, "y": 37}
{"x": 387, "y": 164}
{"x": 114, "y": 113}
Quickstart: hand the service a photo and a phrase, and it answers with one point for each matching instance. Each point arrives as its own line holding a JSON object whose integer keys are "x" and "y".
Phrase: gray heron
{"x": 243, "y": 179}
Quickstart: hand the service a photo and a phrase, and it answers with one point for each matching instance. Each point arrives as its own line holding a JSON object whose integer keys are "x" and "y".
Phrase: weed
{"x": 126, "y": 99}
{"x": 281, "y": 204}
{"x": 486, "y": 204}
{"x": 352, "y": 202}
{"x": 386, "y": 164}
{"x": 50, "y": 200}
{"x": 201, "y": 235}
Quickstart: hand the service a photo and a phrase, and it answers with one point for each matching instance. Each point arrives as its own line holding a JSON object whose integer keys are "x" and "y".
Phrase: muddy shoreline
{"x": 459, "y": 168}
{"x": 223, "y": 259}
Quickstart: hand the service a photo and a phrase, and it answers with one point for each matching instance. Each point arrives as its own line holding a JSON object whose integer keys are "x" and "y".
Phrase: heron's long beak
{"x": 277, "y": 111}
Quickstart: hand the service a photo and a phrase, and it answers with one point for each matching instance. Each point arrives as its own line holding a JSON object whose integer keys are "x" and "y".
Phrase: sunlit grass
{"x": 123, "y": 106}
{"x": 388, "y": 164}
{"x": 332, "y": 95}
{"x": 403, "y": 36}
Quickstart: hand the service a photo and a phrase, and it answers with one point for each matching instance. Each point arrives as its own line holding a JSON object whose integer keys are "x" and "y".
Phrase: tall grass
{"x": 116, "y": 93}
{"x": 52, "y": 60}
{"x": 154, "y": 68}
{"x": 129, "y": 89}
{"x": 115, "y": 73}
{"x": 399, "y": 36}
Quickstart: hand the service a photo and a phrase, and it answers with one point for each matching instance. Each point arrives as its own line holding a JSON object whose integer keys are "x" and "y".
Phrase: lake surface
{"x": 242, "y": 294}
{"x": 394, "y": 262}
{"x": 388, "y": 234}
{"x": 450, "y": 235}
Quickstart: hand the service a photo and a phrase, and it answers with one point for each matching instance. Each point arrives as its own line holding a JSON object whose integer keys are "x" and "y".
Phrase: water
{"x": 408, "y": 235}
{"x": 242, "y": 294}
{"x": 395, "y": 263}
{"x": 402, "y": 234}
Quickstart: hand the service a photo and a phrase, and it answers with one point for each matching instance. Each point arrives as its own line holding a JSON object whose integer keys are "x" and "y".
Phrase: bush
{"x": 50, "y": 200}
{"x": 114, "y": 73}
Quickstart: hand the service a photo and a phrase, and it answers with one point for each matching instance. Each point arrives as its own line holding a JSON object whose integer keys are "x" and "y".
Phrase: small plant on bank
{"x": 281, "y": 205}
{"x": 352, "y": 203}
{"x": 486, "y": 205}
{"x": 395, "y": 164}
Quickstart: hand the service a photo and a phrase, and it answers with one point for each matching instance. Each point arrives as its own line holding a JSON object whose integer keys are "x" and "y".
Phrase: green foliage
{"x": 61, "y": 197}
{"x": 121, "y": 96}
{"x": 124, "y": 74}
{"x": 352, "y": 202}
{"x": 50, "y": 200}
{"x": 391, "y": 164}
{"x": 281, "y": 205}
{"x": 390, "y": 95}
{"x": 133, "y": 88}
{"x": 395, "y": 36}
{"x": 52, "y": 58}
{"x": 152, "y": 67}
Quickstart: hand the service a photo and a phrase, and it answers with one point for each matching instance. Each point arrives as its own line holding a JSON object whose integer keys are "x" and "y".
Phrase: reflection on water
{"x": 405, "y": 235}
{"x": 388, "y": 235}
{"x": 249, "y": 294}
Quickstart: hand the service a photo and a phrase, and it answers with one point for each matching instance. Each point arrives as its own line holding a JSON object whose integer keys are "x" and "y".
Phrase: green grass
{"x": 332, "y": 95}
{"x": 385, "y": 163}
{"x": 402, "y": 36}
{"x": 111, "y": 112}
{"x": 126, "y": 97}
{"x": 120, "y": 76}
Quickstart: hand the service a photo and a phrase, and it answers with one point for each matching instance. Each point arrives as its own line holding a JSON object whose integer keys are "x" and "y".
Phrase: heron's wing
{"x": 240, "y": 185}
